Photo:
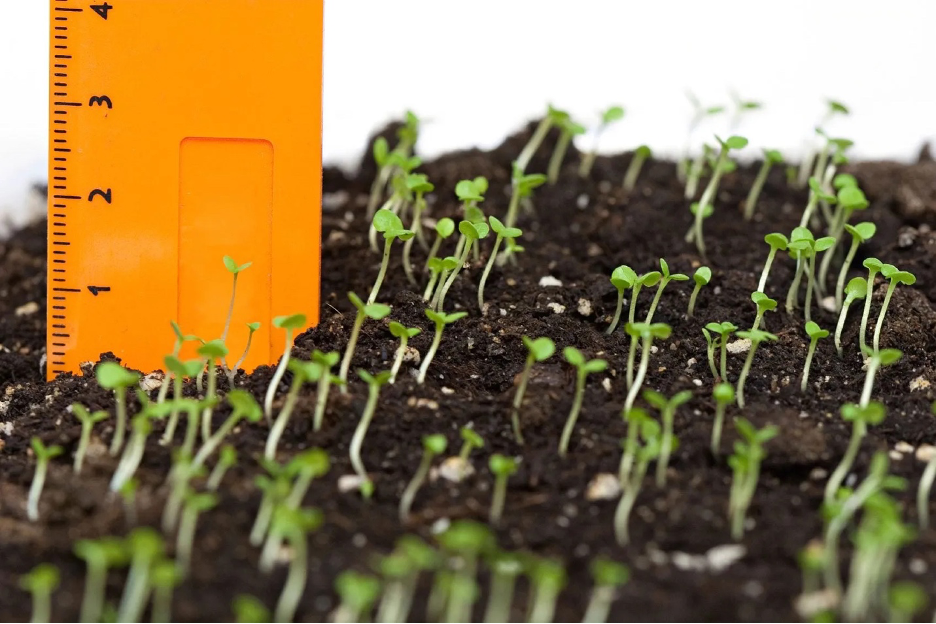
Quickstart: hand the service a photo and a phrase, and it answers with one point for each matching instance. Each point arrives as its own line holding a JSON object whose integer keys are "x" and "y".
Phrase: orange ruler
{"x": 181, "y": 131}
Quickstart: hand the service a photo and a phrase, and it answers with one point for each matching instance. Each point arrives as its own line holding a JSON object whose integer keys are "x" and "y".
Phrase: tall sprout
{"x": 612, "y": 114}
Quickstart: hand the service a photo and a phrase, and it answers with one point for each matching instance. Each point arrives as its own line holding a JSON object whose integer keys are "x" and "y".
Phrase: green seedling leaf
{"x": 374, "y": 380}
{"x": 837, "y": 107}
{"x": 467, "y": 537}
{"x": 111, "y": 376}
{"x": 232, "y": 266}
{"x": 777, "y": 240}
{"x": 501, "y": 465}
{"x": 862, "y": 231}
{"x": 469, "y": 190}
{"x": 44, "y": 578}
{"x": 623, "y": 277}
{"x": 595, "y": 366}
{"x": 651, "y": 279}
{"x": 852, "y": 198}
{"x": 419, "y": 183}
{"x": 42, "y": 451}
{"x": 449, "y": 263}
{"x": 614, "y": 113}
{"x": 381, "y": 151}
{"x": 385, "y": 220}
{"x": 702, "y": 276}
{"x": 643, "y": 152}
{"x": 655, "y": 399}
{"x": 735, "y": 142}
{"x": 399, "y": 330}
{"x": 842, "y": 180}
{"x": 253, "y": 326}
{"x": 308, "y": 371}
{"x": 815, "y": 332}
{"x": 435, "y": 443}
{"x": 872, "y": 264}
{"x": 893, "y": 274}
{"x": 293, "y": 321}
{"x": 708, "y": 212}
{"x": 857, "y": 288}
{"x": 541, "y": 348}
{"x": 573, "y": 356}
{"x": 823, "y": 243}
{"x": 889, "y": 356}
{"x": 773, "y": 156}
{"x": 757, "y": 336}
{"x": 469, "y": 230}
{"x": 724, "y": 393}
{"x": 607, "y": 573}
{"x": 213, "y": 350}
{"x": 471, "y": 437}
{"x": 873, "y": 414}
{"x": 445, "y": 227}
{"x": 313, "y": 462}
{"x": 243, "y": 402}
{"x": 801, "y": 234}
{"x": 376, "y": 311}
{"x": 501, "y": 230}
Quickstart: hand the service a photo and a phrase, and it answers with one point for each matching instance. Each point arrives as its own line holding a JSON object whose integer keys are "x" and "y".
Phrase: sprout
{"x": 816, "y": 193}
{"x": 906, "y": 600}
{"x": 802, "y": 246}
{"x": 756, "y": 337}
{"x": 392, "y": 228}
{"x": 810, "y": 252}
{"x": 777, "y": 241}
{"x": 926, "y": 485}
{"x": 874, "y": 266}
{"x": 472, "y": 232}
{"x": 641, "y": 154}
{"x": 764, "y": 304}
{"x": 404, "y": 334}
{"x": 635, "y": 417}
{"x": 251, "y": 328}
{"x": 145, "y": 546}
{"x": 608, "y": 576}
{"x": 470, "y": 441}
{"x": 441, "y": 319}
{"x": 294, "y": 524}
{"x": 444, "y": 228}
{"x": 276, "y": 488}
{"x": 41, "y": 581}
{"x": 708, "y": 196}
{"x": 612, "y": 114}
{"x": 376, "y": 311}
{"x": 646, "y": 332}
{"x": 243, "y": 406}
{"x": 710, "y": 351}
{"x": 302, "y": 372}
{"x": 182, "y": 471}
{"x": 650, "y": 450}
{"x": 723, "y": 329}
{"x": 43, "y": 455}
{"x": 307, "y": 466}
{"x": 195, "y": 504}
{"x": 226, "y": 459}
{"x": 850, "y": 199}
{"x": 374, "y": 384}
{"x": 540, "y": 350}
{"x": 502, "y": 467}
{"x": 289, "y": 324}
{"x": 895, "y": 276}
{"x": 211, "y": 351}
{"x": 88, "y": 420}
{"x": 99, "y": 555}
{"x": 811, "y": 560}
{"x": 402, "y": 193}
{"x": 164, "y": 579}
{"x": 697, "y": 168}
{"x": 325, "y": 361}
{"x": 505, "y": 567}
{"x": 128, "y": 494}
{"x": 649, "y": 280}
{"x": 872, "y": 413}
{"x": 433, "y": 445}
{"x": 583, "y": 368}
{"x": 249, "y": 610}
{"x": 745, "y": 466}
{"x": 234, "y": 269}
{"x": 467, "y": 540}
{"x": 358, "y": 593}
{"x": 740, "y": 107}
{"x": 622, "y": 278}
{"x": 438, "y": 267}
{"x": 664, "y": 280}
{"x": 410, "y": 557}
{"x": 523, "y": 185}
{"x": 113, "y": 376}
{"x": 548, "y": 577}
{"x": 568, "y": 129}
{"x": 701, "y": 277}
{"x": 419, "y": 184}
{"x": 724, "y": 396}
{"x": 554, "y": 116}
{"x": 699, "y": 114}
{"x": 667, "y": 408}
{"x": 381, "y": 152}
{"x": 860, "y": 233}
{"x": 771, "y": 157}
{"x": 815, "y": 333}
{"x": 857, "y": 288}
{"x": 177, "y": 346}
{"x": 503, "y": 232}
{"x": 180, "y": 370}
{"x": 140, "y": 427}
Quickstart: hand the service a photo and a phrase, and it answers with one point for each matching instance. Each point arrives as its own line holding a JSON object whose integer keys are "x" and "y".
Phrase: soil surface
{"x": 578, "y": 232}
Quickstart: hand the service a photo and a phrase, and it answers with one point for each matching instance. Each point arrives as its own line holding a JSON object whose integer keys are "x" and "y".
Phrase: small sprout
{"x": 392, "y": 228}
{"x": 113, "y": 376}
{"x": 635, "y": 418}
{"x": 926, "y": 486}
{"x": 548, "y": 578}
{"x": 145, "y": 547}
{"x": 180, "y": 370}
{"x": 325, "y": 361}
{"x": 874, "y": 266}
{"x": 756, "y": 337}
{"x": 176, "y": 347}
{"x": 226, "y": 459}
{"x": 612, "y": 114}
{"x": 777, "y": 242}
{"x": 826, "y": 243}
{"x": 815, "y": 334}
{"x": 195, "y": 504}
{"x": 41, "y": 582}
{"x": 251, "y": 328}
{"x": 667, "y": 408}
{"x": 764, "y": 304}
{"x": 243, "y": 407}
{"x": 723, "y": 329}
{"x": 554, "y": 116}
{"x": 404, "y": 334}
{"x": 43, "y": 455}
{"x": 165, "y": 578}
{"x": 276, "y": 488}
{"x": 649, "y": 280}
{"x": 745, "y": 465}
{"x": 842, "y": 180}
{"x": 471, "y": 233}
{"x": 894, "y": 276}
{"x": 701, "y": 277}
{"x": 860, "y": 233}
{"x": 641, "y": 154}
{"x": 502, "y": 467}
{"x": 567, "y": 129}
{"x": 503, "y": 233}
{"x": 906, "y": 600}
{"x": 182, "y": 472}
{"x": 358, "y": 593}
{"x": 306, "y": 466}
{"x": 622, "y": 278}
{"x": 374, "y": 384}
{"x": 419, "y": 185}
{"x": 857, "y": 288}
{"x": 711, "y": 191}
{"x": 647, "y": 332}
{"x": 141, "y": 426}
{"x": 710, "y": 351}
{"x": 608, "y": 577}
{"x": 99, "y": 555}
{"x": 294, "y": 525}
{"x": 816, "y": 194}
{"x": 645, "y": 453}
{"x": 724, "y": 396}
{"x": 303, "y": 372}
{"x": 665, "y": 279}
{"x": 505, "y": 568}
{"x": 444, "y": 228}
{"x": 540, "y": 350}
{"x": 523, "y": 185}
{"x": 441, "y": 319}
{"x": 467, "y": 540}
{"x": 850, "y": 198}
{"x": 289, "y": 324}
{"x": 234, "y": 269}
{"x": 470, "y": 441}
{"x": 873, "y": 413}
{"x": 583, "y": 368}
{"x": 88, "y": 420}
{"x": 376, "y": 311}
{"x": 211, "y": 351}
{"x": 433, "y": 446}
{"x": 248, "y": 609}
{"x": 771, "y": 158}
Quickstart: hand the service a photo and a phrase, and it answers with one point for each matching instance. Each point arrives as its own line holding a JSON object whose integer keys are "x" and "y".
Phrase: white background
{"x": 476, "y": 69}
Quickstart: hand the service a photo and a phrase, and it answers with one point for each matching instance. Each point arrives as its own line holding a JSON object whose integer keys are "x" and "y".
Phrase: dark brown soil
{"x": 580, "y": 231}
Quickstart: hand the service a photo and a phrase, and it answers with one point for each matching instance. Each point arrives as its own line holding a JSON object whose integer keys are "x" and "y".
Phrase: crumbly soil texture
{"x": 576, "y": 233}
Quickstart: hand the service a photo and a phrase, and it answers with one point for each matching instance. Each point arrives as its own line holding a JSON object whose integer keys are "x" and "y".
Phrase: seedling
{"x": 243, "y": 407}
{"x": 567, "y": 129}
{"x": 180, "y": 370}
{"x": 710, "y": 351}
{"x": 857, "y": 288}
{"x": 622, "y": 278}
{"x": 815, "y": 334}
{"x": 612, "y": 114}
{"x": 88, "y": 420}
{"x": 860, "y": 233}
{"x": 649, "y": 280}
{"x": 251, "y": 328}
{"x": 404, "y": 334}
{"x": 401, "y": 197}
{"x": 358, "y": 593}
{"x": 473, "y": 232}
{"x": 708, "y": 196}
{"x": 850, "y": 199}
{"x": 381, "y": 153}
{"x": 182, "y": 472}
{"x": 906, "y": 600}
{"x": 771, "y": 158}
{"x": 41, "y": 581}
{"x": 724, "y": 330}
{"x": 226, "y": 459}
{"x": 289, "y": 324}
{"x": 816, "y": 194}
{"x": 608, "y": 577}
{"x": 374, "y": 384}
{"x": 433, "y": 446}
{"x": 294, "y": 524}
{"x": 113, "y": 376}
{"x": 503, "y": 233}
{"x": 376, "y": 311}
{"x": 276, "y": 488}
{"x": 764, "y": 304}
{"x": 548, "y": 578}
{"x": 667, "y": 408}
{"x": 777, "y": 242}
{"x": 699, "y": 114}
{"x": 874, "y": 266}
{"x": 176, "y": 347}
{"x": 303, "y": 372}
{"x": 325, "y": 361}
{"x": 650, "y": 450}
{"x": 306, "y": 466}
{"x": 165, "y": 578}
{"x": 234, "y": 269}
{"x": 894, "y": 276}
{"x": 872, "y": 413}
{"x": 402, "y": 568}
{"x": 248, "y": 609}
{"x": 392, "y": 228}
{"x": 635, "y": 418}
{"x": 145, "y": 546}
{"x": 875, "y": 360}
{"x": 195, "y": 504}
{"x": 43, "y": 455}
{"x": 439, "y": 268}
{"x": 419, "y": 185}
{"x": 523, "y": 185}
{"x": 647, "y": 332}
{"x": 664, "y": 280}
{"x": 641, "y": 154}
{"x": 444, "y": 228}
{"x": 745, "y": 465}
{"x": 697, "y": 168}
{"x": 502, "y": 467}
{"x": 441, "y": 319}
{"x": 140, "y": 427}
{"x": 701, "y": 277}
{"x": 756, "y": 337}
{"x": 505, "y": 568}
{"x": 99, "y": 555}
{"x": 815, "y": 246}
{"x": 540, "y": 350}
{"x": 467, "y": 540}
{"x": 724, "y": 396}
{"x": 583, "y": 368}
{"x": 470, "y": 441}
{"x": 211, "y": 351}
{"x": 554, "y": 116}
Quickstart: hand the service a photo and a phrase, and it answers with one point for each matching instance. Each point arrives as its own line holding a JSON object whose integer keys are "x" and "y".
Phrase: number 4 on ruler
{"x": 101, "y": 9}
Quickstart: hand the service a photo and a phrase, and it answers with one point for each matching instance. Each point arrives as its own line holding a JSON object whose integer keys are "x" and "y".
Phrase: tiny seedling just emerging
{"x": 404, "y": 334}
{"x": 540, "y": 350}
{"x": 290, "y": 324}
{"x": 815, "y": 334}
{"x": 701, "y": 277}
{"x": 503, "y": 233}
{"x": 376, "y": 311}
{"x": 856, "y": 289}
{"x": 441, "y": 319}
{"x": 612, "y": 114}
{"x": 583, "y": 368}
{"x": 771, "y": 157}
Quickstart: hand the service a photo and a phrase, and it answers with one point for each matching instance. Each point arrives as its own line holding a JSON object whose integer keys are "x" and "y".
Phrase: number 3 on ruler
{"x": 101, "y": 9}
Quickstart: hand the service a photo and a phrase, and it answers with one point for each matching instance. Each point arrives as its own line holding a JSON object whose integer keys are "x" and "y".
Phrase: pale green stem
{"x": 295, "y": 580}
{"x": 173, "y": 421}
{"x": 487, "y": 271}
{"x": 279, "y": 425}
{"x": 409, "y": 494}
{"x": 599, "y": 604}
{"x": 809, "y": 357}
{"x": 518, "y": 399}
{"x": 923, "y": 494}
{"x": 633, "y": 172}
{"x": 433, "y": 278}
{"x": 810, "y": 284}
{"x": 92, "y": 603}
{"x": 555, "y": 161}
{"x": 724, "y": 355}
{"x": 436, "y": 341}
{"x": 692, "y": 299}
{"x": 500, "y": 597}
{"x": 35, "y": 489}
{"x": 321, "y": 400}
{"x": 439, "y": 299}
{"x": 641, "y": 373}
{"x": 843, "y": 272}
{"x": 574, "y": 412}
{"x": 227, "y": 321}
{"x": 211, "y": 392}
{"x": 83, "y": 441}
{"x": 433, "y": 250}
{"x": 129, "y": 462}
{"x": 841, "y": 324}
{"x": 185, "y": 539}
{"x": 751, "y": 202}
{"x": 628, "y": 498}
{"x": 867, "y": 310}
{"x": 398, "y": 358}
{"x": 388, "y": 247}
{"x": 763, "y": 278}
{"x": 539, "y": 135}
{"x": 498, "y": 499}
{"x": 744, "y": 373}
{"x": 349, "y": 350}
{"x": 717, "y": 427}
{"x": 841, "y": 471}
{"x": 357, "y": 440}
{"x": 792, "y": 298}
{"x": 880, "y": 320}
{"x": 666, "y": 445}
{"x": 120, "y": 394}
{"x": 617, "y": 313}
